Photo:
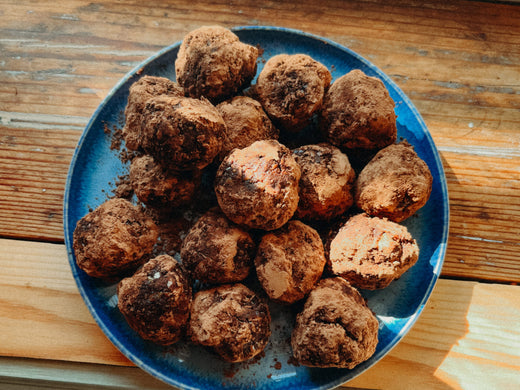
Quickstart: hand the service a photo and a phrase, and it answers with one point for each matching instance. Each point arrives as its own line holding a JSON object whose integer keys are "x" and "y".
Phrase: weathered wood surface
{"x": 458, "y": 63}
{"x": 468, "y": 333}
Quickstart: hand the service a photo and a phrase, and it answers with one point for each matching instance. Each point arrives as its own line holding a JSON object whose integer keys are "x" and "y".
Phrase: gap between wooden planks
{"x": 468, "y": 335}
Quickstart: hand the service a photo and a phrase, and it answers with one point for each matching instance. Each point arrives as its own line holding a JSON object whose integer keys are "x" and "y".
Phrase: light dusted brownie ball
{"x": 394, "y": 184}
{"x": 212, "y": 62}
{"x": 371, "y": 252}
{"x": 231, "y": 320}
{"x": 291, "y": 89}
{"x": 156, "y": 300}
{"x": 156, "y": 185}
{"x": 140, "y": 91}
{"x": 358, "y": 112}
{"x": 113, "y": 239}
{"x": 290, "y": 261}
{"x": 185, "y": 133}
{"x": 336, "y": 328}
{"x": 257, "y": 186}
{"x": 246, "y": 122}
{"x": 216, "y": 250}
{"x": 326, "y": 184}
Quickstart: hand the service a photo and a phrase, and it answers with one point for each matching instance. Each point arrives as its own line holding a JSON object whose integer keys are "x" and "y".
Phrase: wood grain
{"x": 457, "y": 61}
{"x": 43, "y": 315}
{"x": 468, "y": 333}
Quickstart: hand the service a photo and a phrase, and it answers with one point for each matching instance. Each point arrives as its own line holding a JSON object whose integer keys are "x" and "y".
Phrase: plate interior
{"x": 92, "y": 177}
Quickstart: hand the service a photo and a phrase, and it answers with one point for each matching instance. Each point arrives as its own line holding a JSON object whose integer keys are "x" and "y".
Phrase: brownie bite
{"x": 291, "y": 89}
{"x": 183, "y": 132}
{"x": 326, "y": 184}
{"x": 156, "y": 300}
{"x": 113, "y": 239}
{"x": 290, "y": 261}
{"x": 212, "y": 62}
{"x": 336, "y": 328}
{"x": 371, "y": 252}
{"x": 394, "y": 184}
{"x": 216, "y": 250}
{"x": 246, "y": 122}
{"x": 156, "y": 185}
{"x": 257, "y": 186}
{"x": 231, "y": 320}
{"x": 358, "y": 113}
{"x": 140, "y": 91}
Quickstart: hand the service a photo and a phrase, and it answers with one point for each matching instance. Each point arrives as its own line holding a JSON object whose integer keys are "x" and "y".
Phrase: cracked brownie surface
{"x": 156, "y": 185}
{"x": 113, "y": 239}
{"x": 336, "y": 328}
{"x": 140, "y": 91}
{"x": 156, "y": 300}
{"x": 212, "y": 62}
{"x": 216, "y": 250}
{"x": 326, "y": 184}
{"x": 291, "y": 89}
{"x": 231, "y": 320}
{"x": 358, "y": 112}
{"x": 184, "y": 132}
{"x": 371, "y": 252}
{"x": 257, "y": 186}
{"x": 394, "y": 184}
{"x": 289, "y": 262}
{"x": 246, "y": 122}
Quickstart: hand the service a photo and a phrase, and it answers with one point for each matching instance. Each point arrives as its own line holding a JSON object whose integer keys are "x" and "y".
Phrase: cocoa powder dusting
{"x": 230, "y": 371}
{"x": 293, "y": 362}
{"x": 305, "y": 110}
{"x": 123, "y": 188}
{"x": 117, "y": 138}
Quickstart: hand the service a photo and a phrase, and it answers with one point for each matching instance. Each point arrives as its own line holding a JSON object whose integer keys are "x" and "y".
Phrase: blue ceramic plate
{"x": 95, "y": 168}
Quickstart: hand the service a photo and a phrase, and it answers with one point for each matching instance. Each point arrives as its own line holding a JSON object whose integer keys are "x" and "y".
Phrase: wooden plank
{"x": 457, "y": 62}
{"x": 467, "y": 336}
{"x": 32, "y": 374}
{"x": 34, "y": 163}
{"x": 43, "y": 315}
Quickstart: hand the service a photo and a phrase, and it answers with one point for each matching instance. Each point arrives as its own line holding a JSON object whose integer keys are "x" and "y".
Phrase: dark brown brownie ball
{"x": 246, "y": 122}
{"x": 215, "y": 250}
{"x": 290, "y": 261}
{"x": 326, "y": 184}
{"x": 113, "y": 239}
{"x": 231, "y": 320}
{"x": 185, "y": 133}
{"x": 140, "y": 91}
{"x": 371, "y": 252}
{"x": 212, "y": 62}
{"x": 291, "y": 89}
{"x": 257, "y": 186}
{"x": 358, "y": 112}
{"x": 336, "y": 328}
{"x": 156, "y": 185}
{"x": 173, "y": 225}
{"x": 394, "y": 184}
{"x": 156, "y": 300}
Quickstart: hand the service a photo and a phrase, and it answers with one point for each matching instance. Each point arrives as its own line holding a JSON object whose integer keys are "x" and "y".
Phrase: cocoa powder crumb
{"x": 123, "y": 188}
{"x": 117, "y": 138}
{"x": 293, "y": 362}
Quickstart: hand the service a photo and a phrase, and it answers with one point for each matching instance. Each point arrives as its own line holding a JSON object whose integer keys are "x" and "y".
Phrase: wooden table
{"x": 457, "y": 61}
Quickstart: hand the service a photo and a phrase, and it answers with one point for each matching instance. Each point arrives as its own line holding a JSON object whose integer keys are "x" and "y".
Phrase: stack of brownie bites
{"x": 307, "y": 187}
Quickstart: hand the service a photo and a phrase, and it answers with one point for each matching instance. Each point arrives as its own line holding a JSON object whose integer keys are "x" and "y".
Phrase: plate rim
{"x": 439, "y": 253}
